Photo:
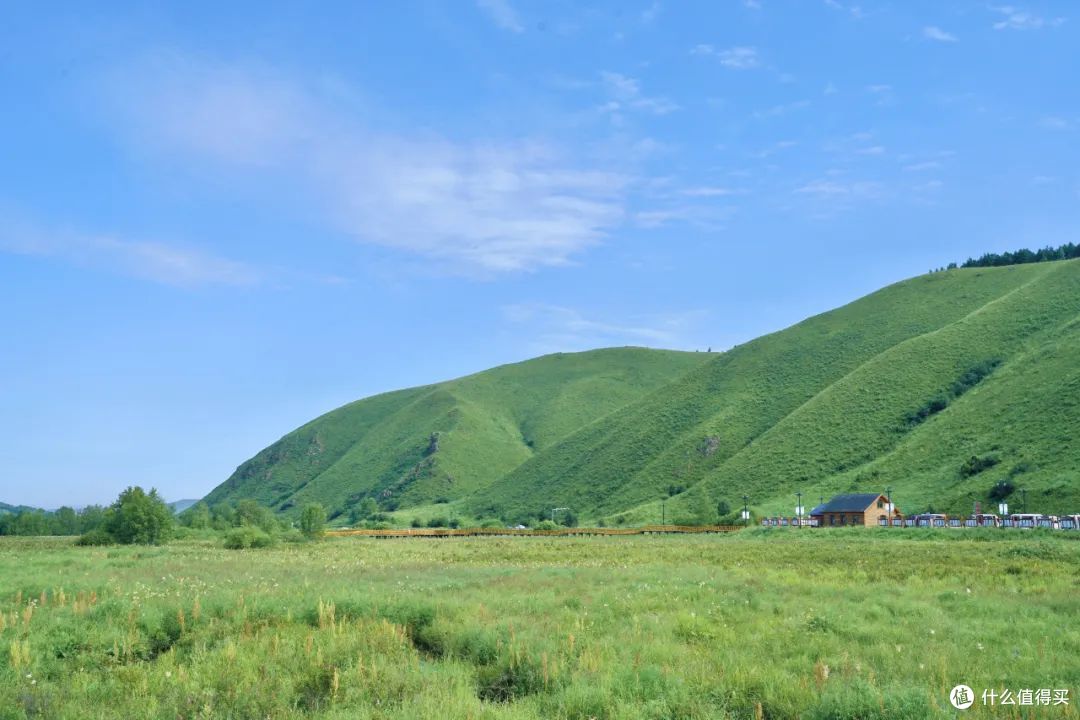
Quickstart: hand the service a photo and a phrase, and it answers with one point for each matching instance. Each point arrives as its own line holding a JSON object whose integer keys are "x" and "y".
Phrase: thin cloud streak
{"x": 158, "y": 262}
{"x": 502, "y": 14}
{"x": 932, "y": 32}
{"x": 1014, "y": 18}
{"x": 737, "y": 57}
{"x": 555, "y": 328}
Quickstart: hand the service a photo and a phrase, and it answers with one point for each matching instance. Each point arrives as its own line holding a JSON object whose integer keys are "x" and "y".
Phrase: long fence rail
{"x": 517, "y": 532}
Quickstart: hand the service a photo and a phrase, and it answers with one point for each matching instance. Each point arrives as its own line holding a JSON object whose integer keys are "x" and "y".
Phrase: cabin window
{"x": 880, "y": 503}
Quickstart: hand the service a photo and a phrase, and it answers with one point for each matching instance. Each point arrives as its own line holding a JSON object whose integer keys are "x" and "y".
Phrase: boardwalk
{"x": 514, "y": 532}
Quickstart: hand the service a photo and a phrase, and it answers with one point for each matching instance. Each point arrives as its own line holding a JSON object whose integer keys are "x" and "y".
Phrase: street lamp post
{"x": 1023, "y": 499}
{"x": 888, "y": 506}
{"x": 1003, "y": 506}
{"x": 555, "y": 510}
{"x": 799, "y": 508}
{"x": 745, "y": 511}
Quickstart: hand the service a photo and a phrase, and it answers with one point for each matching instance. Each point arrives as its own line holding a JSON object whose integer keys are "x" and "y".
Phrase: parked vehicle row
{"x": 939, "y": 520}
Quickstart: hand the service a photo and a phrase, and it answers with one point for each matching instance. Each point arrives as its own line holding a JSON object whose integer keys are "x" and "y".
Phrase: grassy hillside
{"x": 843, "y": 401}
{"x": 941, "y": 387}
{"x": 446, "y": 441}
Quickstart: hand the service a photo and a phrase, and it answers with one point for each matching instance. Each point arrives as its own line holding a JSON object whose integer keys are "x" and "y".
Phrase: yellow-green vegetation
{"x": 941, "y": 386}
{"x": 768, "y": 624}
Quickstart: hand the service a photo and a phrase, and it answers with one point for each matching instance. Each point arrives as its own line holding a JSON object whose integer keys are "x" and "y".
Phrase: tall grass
{"x": 773, "y": 624}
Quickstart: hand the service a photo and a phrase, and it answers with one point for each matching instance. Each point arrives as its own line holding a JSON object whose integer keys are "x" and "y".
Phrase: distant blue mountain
{"x": 5, "y": 508}
{"x": 181, "y": 505}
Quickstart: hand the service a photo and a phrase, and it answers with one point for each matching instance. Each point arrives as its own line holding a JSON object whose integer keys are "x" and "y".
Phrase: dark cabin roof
{"x": 857, "y": 502}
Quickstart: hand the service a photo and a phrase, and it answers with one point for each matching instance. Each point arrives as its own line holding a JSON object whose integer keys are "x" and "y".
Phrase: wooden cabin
{"x": 866, "y": 509}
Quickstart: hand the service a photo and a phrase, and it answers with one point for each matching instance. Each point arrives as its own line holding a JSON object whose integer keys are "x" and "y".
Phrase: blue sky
{"x": 218, "y": 221}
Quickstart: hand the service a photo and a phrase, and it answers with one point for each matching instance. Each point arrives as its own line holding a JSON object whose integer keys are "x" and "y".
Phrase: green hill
{"x": 940, "y": 387}
{"x": 858, "y": 398}
{"x": 446, "y": 441}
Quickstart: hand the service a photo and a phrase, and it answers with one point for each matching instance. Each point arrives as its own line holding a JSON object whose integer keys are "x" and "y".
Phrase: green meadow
{"x": 852, "y": 623}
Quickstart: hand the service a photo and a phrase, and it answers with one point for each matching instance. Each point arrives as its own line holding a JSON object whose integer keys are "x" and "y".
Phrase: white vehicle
{"x": 1069, "y": 522}
{"x": 929, "y": 520}
{"x": 1026, "y": 520}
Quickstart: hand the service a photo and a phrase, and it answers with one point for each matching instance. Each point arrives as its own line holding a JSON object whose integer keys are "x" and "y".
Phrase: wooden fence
{"x": 516, "y": 532}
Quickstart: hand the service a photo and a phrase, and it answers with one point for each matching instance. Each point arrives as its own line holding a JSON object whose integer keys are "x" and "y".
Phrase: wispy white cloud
{"x": 739, "y": 58}
{"x": 502, "y": 13}
{"x": 922, "y": 166}
{"x": 158, "y": 262}
{"x": 625, "y": 93}
{"x": 928, "y": 187}
{"x": 775, "y": 148}
{"x": 1014, "y": 18}
{"x": 706, "y": 216}
{"x": 555, "y": 328}
{"x": 649, "y": 14}
{"x": 708, "y": 191}
{"x": 736, "y": 58}
{"x": 1054, "y": 122}
{"x": 855, "y": 146}
{"x": 882, "y": 93}
{"x": 479, "y": 206}
{"x": 854, "y": 11}
{"x": 933, "y": 32}
{"x": 833, "y": 188}
{"x": 781, "y": 110}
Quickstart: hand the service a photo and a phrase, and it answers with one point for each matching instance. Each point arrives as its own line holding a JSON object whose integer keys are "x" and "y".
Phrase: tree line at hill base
{"x": 143, "y": 518}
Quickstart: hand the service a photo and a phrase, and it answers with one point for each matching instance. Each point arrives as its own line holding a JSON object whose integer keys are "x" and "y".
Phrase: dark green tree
{"x": 91, "y": 517}
{"x": 198, "y": 516}
{"x": 249, "y": 512}
{"x": 313, "y": 520}
{"x": 138, "y": 517}
{"x": 65, "y": 522}
{"x": 367, "y": 509}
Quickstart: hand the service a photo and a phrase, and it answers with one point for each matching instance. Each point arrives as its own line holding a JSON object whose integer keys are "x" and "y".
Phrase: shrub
{"x": 932, "y": 407}
{"x": 975, "y": 465}
{"x": 546, "y": 525}
{"x": 95, "y": 537}
{"x": 1002, "y": 490}
{"x": 438, "y": 522}
{"x": 245, "y": 537}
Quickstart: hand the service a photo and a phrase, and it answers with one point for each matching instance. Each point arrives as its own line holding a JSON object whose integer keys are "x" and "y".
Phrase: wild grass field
{"x": 757, "y": 624}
